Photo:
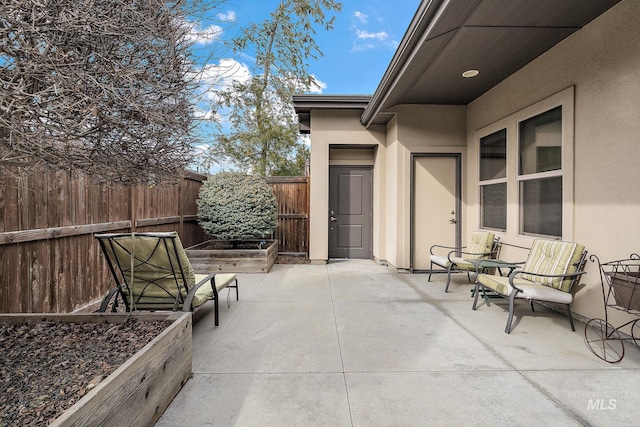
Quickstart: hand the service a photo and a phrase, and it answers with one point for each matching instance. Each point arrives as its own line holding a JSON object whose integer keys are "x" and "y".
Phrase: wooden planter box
{"x": 219, "y": 256}
{"x": 139, "y": 391}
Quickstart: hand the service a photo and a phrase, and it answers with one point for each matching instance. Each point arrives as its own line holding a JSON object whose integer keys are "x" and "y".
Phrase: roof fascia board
{"x": 306, "y": 103}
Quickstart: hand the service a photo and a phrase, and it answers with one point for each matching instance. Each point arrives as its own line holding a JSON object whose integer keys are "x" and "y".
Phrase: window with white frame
{"x": 540, "y": 174}
{"x": 525, "y": 175}
{"x": 493, "y": 181}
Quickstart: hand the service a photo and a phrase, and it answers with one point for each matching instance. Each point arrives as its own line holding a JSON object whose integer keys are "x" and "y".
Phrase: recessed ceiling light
{"x": 470, "y": 73}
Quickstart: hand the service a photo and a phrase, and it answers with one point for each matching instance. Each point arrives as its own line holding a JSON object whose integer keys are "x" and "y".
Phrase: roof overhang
{"x": 495, "y": 37}
{"x": 303, "y": 104}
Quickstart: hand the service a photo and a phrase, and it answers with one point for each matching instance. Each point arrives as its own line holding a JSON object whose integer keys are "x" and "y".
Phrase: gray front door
{"x": 350, "y": 212}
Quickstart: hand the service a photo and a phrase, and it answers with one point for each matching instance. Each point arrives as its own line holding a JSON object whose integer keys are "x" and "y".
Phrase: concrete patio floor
{"x": 352, "y": 343}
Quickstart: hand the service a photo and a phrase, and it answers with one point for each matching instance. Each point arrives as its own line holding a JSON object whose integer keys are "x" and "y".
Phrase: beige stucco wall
{"x": 599, "y": 66}
{"x": 340, "y": 127}
{"x": 415, "y": 129}
{"x": 602, "y": 63}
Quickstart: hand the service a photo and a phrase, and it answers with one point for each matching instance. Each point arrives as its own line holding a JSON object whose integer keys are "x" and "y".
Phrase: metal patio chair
{"x": 152, "y": 273}
{"x": 552, "y": 269}
{"x": 482, "y": 244}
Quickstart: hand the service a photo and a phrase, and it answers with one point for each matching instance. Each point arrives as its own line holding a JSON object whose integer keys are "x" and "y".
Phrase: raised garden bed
{"x": 221, "y": 256}
{"x": 141, "y": 388}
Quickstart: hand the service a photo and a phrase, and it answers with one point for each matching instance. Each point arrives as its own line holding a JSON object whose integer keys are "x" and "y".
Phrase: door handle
{"x": 452, "y": 221}
{"x": 333, "y": 218}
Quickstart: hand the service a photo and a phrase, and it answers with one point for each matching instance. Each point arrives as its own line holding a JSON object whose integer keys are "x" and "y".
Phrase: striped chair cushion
{"x": 528, "y": 289}
{"x": 552, "y": 257}
{"x": 463, "y": 264}
{"x": 480, "y": 243}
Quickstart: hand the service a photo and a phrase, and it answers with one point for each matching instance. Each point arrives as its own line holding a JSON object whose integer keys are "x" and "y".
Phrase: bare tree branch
{"x": 100, "y": 86}
{"x": 264, "y": 137}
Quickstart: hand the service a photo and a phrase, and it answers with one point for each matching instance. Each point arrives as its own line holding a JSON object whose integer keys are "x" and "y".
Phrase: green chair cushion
{"x": 150, "y": 275}
{"x": 496, "y": 283}
{"x": 480, "y": 242}
{"x": 205, "y": 292}
{"x": 530, "y": 290}
{"x": 552, "y": 257}
{"x": 462, "y": 264}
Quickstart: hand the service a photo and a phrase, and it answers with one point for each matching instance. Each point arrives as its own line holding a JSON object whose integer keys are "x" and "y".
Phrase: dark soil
{"x": 290, "y": 259}
{"x": 46, "y": 368}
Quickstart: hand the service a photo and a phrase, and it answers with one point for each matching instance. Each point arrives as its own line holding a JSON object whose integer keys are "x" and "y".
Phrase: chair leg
{"x": 512, "y": 302}
{"x": 531, "y": 304}
{"x": 476, "y": 291}
{"x": 216, "y": 320}
{"x": 573, "y": 328}
{"x": 446, "y": 288}
{"x": 235, "y": 286}
{"x": 430, "y": 270}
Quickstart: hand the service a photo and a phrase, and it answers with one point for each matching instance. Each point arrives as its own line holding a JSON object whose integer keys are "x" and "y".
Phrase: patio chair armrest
{"x": 517, "y": 272}
{"x": 113, "y": 293}
{"x": 189, "y": 298}
{"x": 457, "y": 251}
{"x": 444, "y": 247}
{"x": 497, "y": 262}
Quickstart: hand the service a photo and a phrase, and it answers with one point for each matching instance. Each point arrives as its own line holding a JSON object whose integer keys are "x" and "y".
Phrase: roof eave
{"x": 306, "y": 103}
{"x": 303, "y": 104}
{"x": 424, "y": 19}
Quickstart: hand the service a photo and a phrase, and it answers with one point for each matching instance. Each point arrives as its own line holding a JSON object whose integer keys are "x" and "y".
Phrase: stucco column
{"x": 319, "y": 203}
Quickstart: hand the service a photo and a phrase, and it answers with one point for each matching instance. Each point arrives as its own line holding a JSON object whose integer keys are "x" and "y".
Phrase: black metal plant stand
{"x": 620, "y": 291}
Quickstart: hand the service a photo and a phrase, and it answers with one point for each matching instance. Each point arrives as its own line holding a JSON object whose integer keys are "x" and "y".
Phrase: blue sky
{"x": 362, "y": 44}
{"x": 356, "y": 53}
{"x": 359, "y": 49}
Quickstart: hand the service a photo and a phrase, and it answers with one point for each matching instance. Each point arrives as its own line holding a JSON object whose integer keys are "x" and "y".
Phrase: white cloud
{"x": 214, "y": 78}
{"x": 362, "y": 47}
{"x": 317, "y": 86}
{"x": 205, "y": 114}
{"x": 365, "y": 39}
{"x": 227, "y": 17}
{"x": 360, "y": 16}
{"x": 364, "y": 35}
{"x": 224, "y": 73}
{"x": 210, "y": 34}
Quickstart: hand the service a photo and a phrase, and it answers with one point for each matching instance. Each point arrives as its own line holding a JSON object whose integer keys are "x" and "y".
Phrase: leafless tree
{"x": 99, "y": 86}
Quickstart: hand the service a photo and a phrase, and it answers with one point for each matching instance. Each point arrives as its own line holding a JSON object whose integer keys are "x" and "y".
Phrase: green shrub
{"x": 236, "y": 206}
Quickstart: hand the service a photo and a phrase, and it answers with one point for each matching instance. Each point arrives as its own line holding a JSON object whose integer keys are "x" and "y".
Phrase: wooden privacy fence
{"x": 50, "y": 261}
{"x": 292, "y": 194}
